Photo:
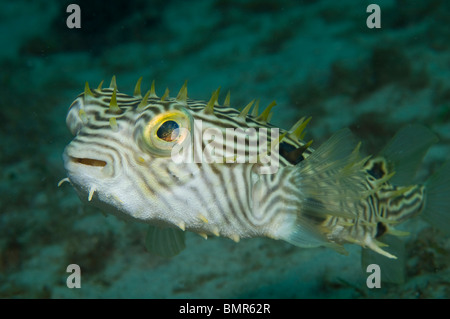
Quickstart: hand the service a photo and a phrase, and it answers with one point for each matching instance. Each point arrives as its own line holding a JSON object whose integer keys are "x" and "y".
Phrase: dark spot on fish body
{"x": 291, "y": 154}
{"x": 381, "y": 229}
{"x": 377, "y": 170}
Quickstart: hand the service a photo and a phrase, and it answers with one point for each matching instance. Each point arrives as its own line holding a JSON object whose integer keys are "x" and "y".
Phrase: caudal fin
{"x": 405, "y": 151}
{"x": 335, "y": 192}
{"x": 404, "y": 154}
{"x": 437, "y": 209}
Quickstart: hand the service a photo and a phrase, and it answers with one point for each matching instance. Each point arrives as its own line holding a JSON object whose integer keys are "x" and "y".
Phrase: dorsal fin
{"x": 405, "y": 151}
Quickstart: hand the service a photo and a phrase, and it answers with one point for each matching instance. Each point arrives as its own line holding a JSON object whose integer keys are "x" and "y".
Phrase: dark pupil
{"x": 168, "y": 131}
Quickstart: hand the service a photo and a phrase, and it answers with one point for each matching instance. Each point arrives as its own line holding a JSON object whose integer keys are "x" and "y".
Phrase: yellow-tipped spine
{"x": 87, "y": 90}
{"x": 255, "y": 109}
{"x": 215, "y": 231}
{"x": 113, "y": 106}
{"x": 203, "y": 218}
{"x": 113, "y": 84}
{"x": 83, "y": 116}
{"x": 152, "y": 90}
{"x": 137, "y": 88}
{"x": 265, "y": 114}
{"x": 182, "y": 95}
{"x": 298, "y": 132}
{"x": 181, "y": 225}
{"x": 227, "y": 99}
{"x": 165, "y": 95}
{"x": 209, "y": 108}
{"x": 235, "y": 238}
{"x": 144, "y": 101}
{"x": 113, "y": 124}
{"x": 99, "y": 88}
{"x": 246, "y": 109}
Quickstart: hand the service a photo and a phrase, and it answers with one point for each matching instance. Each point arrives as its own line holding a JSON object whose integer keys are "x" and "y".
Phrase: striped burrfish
{"x": 180, "y": 165}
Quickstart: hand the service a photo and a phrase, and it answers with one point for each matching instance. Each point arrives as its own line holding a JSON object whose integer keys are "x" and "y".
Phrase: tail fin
{"x": 437, "y": 209}
{"x": 333, "y": 192}
{"x": 404, "y": 154}
{"x": 405, "y": 151}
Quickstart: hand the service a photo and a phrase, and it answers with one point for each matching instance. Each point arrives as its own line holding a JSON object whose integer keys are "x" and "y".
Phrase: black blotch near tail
{"x": 377, "y": 170}
{"x": 381, "y": 229}
{"x": 292, "y": 154}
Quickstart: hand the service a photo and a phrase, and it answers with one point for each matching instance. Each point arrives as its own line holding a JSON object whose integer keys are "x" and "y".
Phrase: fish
{"x": 180, "y": 164}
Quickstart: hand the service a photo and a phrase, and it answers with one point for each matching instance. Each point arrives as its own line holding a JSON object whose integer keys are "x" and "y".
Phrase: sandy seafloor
{"x": 315, "y": 58}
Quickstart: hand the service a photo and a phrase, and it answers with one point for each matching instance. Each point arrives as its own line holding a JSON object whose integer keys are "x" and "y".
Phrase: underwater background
{"x": 315, "y": 58}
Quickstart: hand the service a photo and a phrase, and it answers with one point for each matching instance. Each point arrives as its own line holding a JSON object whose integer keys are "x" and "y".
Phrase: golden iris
{"x": 165, "y": 130}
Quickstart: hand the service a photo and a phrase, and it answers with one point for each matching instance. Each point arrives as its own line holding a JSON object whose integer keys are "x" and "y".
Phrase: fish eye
{"x": 165, "y": 130}
{"x": 168, "y": 131}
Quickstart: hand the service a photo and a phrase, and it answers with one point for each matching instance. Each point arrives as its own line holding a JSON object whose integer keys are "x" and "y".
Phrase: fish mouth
{"x": 88, "y": 161}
